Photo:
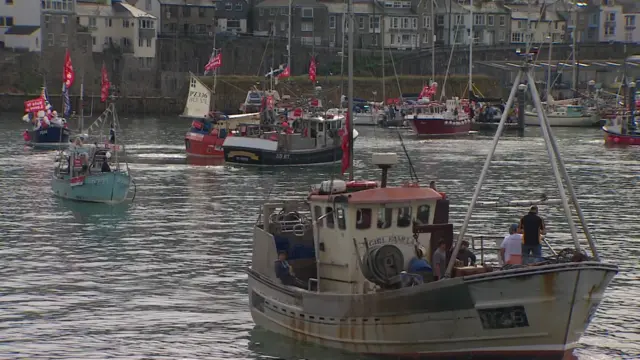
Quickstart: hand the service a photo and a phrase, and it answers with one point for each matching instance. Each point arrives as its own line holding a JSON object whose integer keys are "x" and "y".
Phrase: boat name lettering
{"x": 282, "y": 156}
{"x": 95, "y": 181}
{"x": 43, "y": 132}
{"x": 504, "y": 318}
{"x": 392, "y": 239}
{"x": 198, "y": 97}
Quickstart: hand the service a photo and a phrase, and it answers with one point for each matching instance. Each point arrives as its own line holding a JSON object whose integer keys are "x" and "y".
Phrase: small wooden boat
{"x": 92, "y": 172}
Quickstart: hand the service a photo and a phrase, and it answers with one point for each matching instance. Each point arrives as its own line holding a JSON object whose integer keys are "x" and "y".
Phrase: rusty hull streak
{"x": 549, "y": 282}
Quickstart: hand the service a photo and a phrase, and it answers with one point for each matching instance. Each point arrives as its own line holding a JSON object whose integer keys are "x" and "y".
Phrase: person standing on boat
{"x": 465, "y": 255}
{"x": 112, "y": 135}
{"x": 532, "y": 228}
{"x": 439, "y": 261}
{"x": 284, "y": 271}
{"x": 511, "y": 247}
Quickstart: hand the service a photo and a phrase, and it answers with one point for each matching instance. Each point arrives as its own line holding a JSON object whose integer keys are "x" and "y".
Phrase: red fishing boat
{"x": 439, "y": 119}
{"x": 209, "y": 128}
{"x": 622, "y": 130}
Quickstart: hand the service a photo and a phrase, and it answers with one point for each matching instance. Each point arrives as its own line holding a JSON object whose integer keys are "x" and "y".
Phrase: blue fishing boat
{"x": 48, "y": 130}
{"x": 89, "y": 172}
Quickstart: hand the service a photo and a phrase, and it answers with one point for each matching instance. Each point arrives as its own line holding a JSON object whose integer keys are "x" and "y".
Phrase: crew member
{"x": 532, "y": 228}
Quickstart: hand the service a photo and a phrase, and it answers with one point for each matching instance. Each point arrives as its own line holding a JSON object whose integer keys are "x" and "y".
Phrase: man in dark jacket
{"x": 465, "y": 255}
{"x": 284, "y": 272}
{"x": 532, "y": 228}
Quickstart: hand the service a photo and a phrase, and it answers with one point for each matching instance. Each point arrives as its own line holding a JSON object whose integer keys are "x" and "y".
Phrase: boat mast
{"x": 81, "y": 122}
{"x": 289, "y": 38}
{"x": 212, "y": 106}
{"x": 470, "y": 85}
{"x": 344, "y": 12}
{"x": 433, "y": 45}
{"x": 549, "y": 67}
{"x": 381, "y": 24}
{"x": 350, "y": 87}
{"x": 574, "y": 77}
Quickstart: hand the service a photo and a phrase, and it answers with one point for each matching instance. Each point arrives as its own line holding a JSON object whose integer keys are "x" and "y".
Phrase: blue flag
{"x": 66, "y": 100}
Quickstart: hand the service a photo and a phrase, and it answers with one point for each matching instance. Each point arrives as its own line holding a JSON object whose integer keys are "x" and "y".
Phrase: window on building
{"x": 64, "y": 40}
{"x": 148, "y": 42}
{"x": 273, "y": 11}
{"x": 107, "y": 22}
{"x": 93, "y": 40}
{"x": 501, "y": 36}
{"x": 516, "y": 37}
{"x": 459, "y": 20}
{"x": 374, "y": 23}
{"x": 186, "y": 11}
{"x": 228, "y": 6}
{"x": 426, "y": 22}
{"x": 307, "y": 26}
{"x": 202, "y": 12}
{"x": 405, "y": 23}
{"x": 502, "y": 21}
{"x": 490, "y": 20}
{"x": 609, "y": 30}
{"x": 47, "y": 20}
{"x": 92, "y": 21}
{"x": 140, "y": 42}
{"x": 125, "y": 23}
{"x": 414, "y": 23}
{"x": 233, "y": 25}
{"x": 374, "y": 40}
{"x": 406, "y": 4}
{"x": 284, "y": 11}
{"x": 479, "y": 19}
{"x": 440, "y": 20}
{"x": 361, "y": 22}
{"x": 630, "y": 20}
{"x": 238, "y": 6}
{"x": 384, "y": 217}
{"x": 50, "y": 39}
{"x": 611, "y": 16}
{"x": 397, "y": 4}
{"x": 307, "y": 12}
{"x": 395, "y": 23}
{"x": 332, "y": 22}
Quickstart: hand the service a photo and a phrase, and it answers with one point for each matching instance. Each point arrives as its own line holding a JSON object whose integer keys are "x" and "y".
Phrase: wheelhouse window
{"x": 342, "y": 223}
{"x": 422, "y": 217}
{"x": 318, "y": 214}
{"x": 404, "y": 217}
{"x": 363, "y": 219}
{"x": 330, "y": 221}
{"x": 384, "y": 218}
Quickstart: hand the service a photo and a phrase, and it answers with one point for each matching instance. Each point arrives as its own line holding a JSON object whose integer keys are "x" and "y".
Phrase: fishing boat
{"x": 342, "y": 277}
{"x": 439, "y": 119}
{"x": 317, "y": 140}
{"x": 564, "y": 116}
{"x": 208, "y": 128}
{"x": 48, "y": 130}
{"x": 91, "y": 172}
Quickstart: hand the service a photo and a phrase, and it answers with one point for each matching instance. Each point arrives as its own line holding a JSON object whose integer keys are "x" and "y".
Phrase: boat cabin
{"x": 352, "y": 237}
{"x": 82, "y": 160}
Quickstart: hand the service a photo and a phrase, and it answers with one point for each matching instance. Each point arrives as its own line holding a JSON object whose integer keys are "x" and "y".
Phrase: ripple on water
{"x": 164, "y": 277}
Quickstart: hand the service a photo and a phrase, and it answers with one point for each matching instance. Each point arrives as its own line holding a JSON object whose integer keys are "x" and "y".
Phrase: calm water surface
{"x": 162, "y": 278}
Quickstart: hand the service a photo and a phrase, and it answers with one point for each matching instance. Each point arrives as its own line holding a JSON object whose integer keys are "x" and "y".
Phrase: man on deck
{"x": 532, "y": 228}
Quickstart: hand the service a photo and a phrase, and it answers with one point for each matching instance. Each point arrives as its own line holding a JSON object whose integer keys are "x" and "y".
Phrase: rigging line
{"x": 412, "y": 170}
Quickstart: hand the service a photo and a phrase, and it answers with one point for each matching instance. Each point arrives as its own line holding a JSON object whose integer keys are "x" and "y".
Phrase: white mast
{"x": 471, "y": 50}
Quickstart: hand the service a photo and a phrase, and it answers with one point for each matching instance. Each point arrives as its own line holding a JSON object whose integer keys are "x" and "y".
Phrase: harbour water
{"x": 163, "y": 277}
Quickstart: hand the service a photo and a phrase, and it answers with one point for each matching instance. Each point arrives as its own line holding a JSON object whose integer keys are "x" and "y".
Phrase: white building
{"x": 151, "y": 7}
{"x": 536, "y": 26}
{"x": 632, "y": 22}
{"x": 20, "y": 13}
{"x": 120, "y": 27}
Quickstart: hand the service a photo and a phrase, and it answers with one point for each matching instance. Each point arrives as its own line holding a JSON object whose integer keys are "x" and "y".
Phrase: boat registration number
{"x": 282, "y": 156}
{"x": 504, "y": 318}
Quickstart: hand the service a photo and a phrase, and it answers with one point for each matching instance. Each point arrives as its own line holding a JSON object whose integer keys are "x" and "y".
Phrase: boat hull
{"x": 108, "y": 187}
{"x": 203, "y": 145}
{"x": 518, "y": 312}
{"x": 263, "y": 157}
{"x": 51, "y": 137}
{"x": 531, "y": 119}
{"x": 613, "y": 137}
{"x": 440, "y": 127}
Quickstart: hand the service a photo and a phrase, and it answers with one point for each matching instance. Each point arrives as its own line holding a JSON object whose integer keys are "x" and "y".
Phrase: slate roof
{"x": 22, "y": 30}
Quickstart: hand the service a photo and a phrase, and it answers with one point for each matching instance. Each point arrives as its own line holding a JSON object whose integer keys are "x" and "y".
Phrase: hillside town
{"x": 148, "y": 43}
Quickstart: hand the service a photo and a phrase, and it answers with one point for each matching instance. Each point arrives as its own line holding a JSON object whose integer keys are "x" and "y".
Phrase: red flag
{"x": 312, "y": 70}
{"x": 214, "y": 63}
{"x": 346, "y": 140}
{"x": 68, "y": 73}
{"x": 285, "y": 73}
{"x": 104, "y": 89}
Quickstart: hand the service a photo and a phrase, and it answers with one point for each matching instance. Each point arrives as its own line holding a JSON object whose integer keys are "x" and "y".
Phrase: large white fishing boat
{"x": 347, "y": 284}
